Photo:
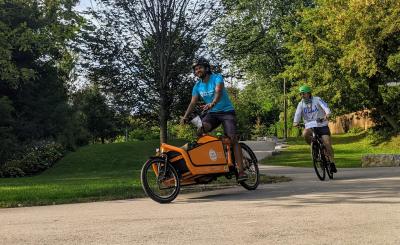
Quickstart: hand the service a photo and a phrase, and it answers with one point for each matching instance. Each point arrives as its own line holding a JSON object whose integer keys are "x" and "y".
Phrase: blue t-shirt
{"x": 207, "y": 92}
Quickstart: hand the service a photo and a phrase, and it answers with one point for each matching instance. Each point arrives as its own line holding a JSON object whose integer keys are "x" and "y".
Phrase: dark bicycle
{"x": 319, "y": 153}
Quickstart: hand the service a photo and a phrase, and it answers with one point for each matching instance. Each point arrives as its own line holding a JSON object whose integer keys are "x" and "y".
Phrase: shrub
{"x": 144, "y": 133}
{"x": 355, "y": 130}
{"x": 378, "y": 135}
{"x": 35, "y": 159}
{"x": 186, "y": 132}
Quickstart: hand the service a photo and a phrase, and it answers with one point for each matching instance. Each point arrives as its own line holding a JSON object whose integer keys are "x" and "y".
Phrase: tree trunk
{"x": 163, "y": 116}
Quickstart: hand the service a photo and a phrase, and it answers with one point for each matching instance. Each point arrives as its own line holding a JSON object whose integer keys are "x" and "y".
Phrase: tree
{"x": 349, "y": 51}
{"x": 141, "y": 51}
{"x": 253, "y": 34}
{"x": 35, "y": 64}
{"x": 99, "y": 118}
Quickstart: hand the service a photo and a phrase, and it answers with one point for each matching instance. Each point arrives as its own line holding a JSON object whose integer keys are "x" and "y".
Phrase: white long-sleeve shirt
{"x": 311, "y": 112}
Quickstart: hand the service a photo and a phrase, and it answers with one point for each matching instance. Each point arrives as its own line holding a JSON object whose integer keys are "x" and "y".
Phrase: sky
{"x": 83, "y": 4}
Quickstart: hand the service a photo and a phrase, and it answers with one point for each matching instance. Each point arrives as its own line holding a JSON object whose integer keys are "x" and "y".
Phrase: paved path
{"x": 361, "y": 206}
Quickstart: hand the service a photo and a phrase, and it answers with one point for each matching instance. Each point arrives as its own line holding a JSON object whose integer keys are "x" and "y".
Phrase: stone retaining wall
{"x": 380, "y": 160}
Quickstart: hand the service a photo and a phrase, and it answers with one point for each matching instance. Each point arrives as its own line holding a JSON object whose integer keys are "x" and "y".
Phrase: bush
{"x": 144, "y": 133}
{"x": 356, "y": 130}
{"x": 35, "y": 159}
{"x": 186, "y": 132}
{"x": 378, "y": 135}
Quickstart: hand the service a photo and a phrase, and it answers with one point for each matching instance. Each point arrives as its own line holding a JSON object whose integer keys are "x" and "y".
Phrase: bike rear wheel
{"x": 250, "y": 167}
{"x": 317, "y": 161}
{"x": 162, "y": 187}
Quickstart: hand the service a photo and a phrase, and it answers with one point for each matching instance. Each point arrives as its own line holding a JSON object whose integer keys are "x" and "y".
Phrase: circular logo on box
{"x": 212, "y": 154}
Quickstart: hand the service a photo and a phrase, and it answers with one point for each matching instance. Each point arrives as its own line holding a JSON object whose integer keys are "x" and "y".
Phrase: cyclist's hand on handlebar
{"x": 206, "y": 107}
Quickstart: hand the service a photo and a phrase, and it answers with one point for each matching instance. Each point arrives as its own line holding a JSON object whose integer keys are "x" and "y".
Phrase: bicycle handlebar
{"x": 318, "y": 120}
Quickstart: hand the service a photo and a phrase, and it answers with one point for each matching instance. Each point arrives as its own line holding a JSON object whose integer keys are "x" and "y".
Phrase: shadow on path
{"x": 350, "y": 186}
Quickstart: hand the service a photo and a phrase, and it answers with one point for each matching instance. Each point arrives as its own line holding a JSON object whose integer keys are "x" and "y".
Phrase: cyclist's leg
{"x": 210, "y": 122}
{"x": 328, "y": 145}
{"x": 229, "y": 123}
{"x": 327, "y": 140}
{"x": 307, "y": 134}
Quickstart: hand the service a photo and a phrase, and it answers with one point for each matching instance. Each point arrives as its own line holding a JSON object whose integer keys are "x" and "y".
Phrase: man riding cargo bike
{"x": 210, "y": 87}
{"x": 209, "y": 157}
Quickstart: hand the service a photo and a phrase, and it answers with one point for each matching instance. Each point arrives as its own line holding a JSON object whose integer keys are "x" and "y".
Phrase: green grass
{"x": 348, "y": 151}
{"x": 93, "y": 173}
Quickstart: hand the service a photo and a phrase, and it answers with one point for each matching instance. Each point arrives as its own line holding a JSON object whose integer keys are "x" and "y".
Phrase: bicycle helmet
{"x": 203, "y": 62}
{"x": 305, "y": 89}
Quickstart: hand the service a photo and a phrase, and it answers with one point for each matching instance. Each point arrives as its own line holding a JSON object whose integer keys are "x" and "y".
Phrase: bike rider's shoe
{"x": 333, "y": 167}
{"x": 242, "y": 177}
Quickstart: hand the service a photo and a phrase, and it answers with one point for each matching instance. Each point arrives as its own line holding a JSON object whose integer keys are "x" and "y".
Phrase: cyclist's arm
{"x": 191, "y": 106}
{"x": 218, "y": 93}
{"x": 297, "y": 115}
{"x": 325, "y": 107}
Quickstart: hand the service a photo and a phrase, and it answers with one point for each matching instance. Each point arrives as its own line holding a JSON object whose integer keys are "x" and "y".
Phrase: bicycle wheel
{"x": 250, "y": 167}
{"x": 317, "y": 161}
{"x": 326, "y": 163}
{"x": 162, "y": 187}
{"x": 329, "y": 170}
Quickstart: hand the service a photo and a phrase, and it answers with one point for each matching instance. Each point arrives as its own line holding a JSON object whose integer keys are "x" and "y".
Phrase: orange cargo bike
{"x": 199, "y": 162}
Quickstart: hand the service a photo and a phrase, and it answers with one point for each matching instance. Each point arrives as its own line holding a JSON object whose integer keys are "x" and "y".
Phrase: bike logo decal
{"x": 212, "y": 154}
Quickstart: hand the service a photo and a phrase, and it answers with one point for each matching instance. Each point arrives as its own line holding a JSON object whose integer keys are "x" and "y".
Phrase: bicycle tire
{"x": 329, "y": 171}
{"x": 326, "y": 162}
{"x": 317, "y": 161}
{"x": 251, "y": 168}
{"x": 151, "y": 182}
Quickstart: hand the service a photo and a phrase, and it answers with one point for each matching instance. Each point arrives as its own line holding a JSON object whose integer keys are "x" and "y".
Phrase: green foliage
{"x": 348, "y": 151}
{"x": 379, "y": 135}
{"x": 8, "y": 141}
{"x": 256, "y": 110}
{"x": 185, "y": 132}
{"x": 141, "y": 56}
{"x": 348, "y": 52}
{"x": 36, "y": 64}
{"x": 355, "y": 131}
{"x": 144, "y": 133}
{"x": 33, "y": 160}
{"x": 98, "y": 117}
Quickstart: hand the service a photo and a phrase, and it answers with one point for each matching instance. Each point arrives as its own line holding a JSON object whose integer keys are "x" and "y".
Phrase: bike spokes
{"x": 160, "y": 181}
{"x": 250, "y": 166}
{"x": 318, "y": 161}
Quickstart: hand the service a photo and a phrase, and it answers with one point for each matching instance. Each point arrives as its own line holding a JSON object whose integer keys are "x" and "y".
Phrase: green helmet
{"x": 305, "y": 89}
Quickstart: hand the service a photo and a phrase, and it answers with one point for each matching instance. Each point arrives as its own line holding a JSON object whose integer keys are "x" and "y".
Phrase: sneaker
{"x": 333, "y": 167}
{"x": 242, "y": 177}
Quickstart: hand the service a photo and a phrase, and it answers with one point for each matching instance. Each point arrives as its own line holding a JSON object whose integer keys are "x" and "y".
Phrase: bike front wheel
{"x": 329, "y": 170}
{"x": 160, "y": 181}
{"x": 250, "y": 167}
{"x": 317, "y": 161}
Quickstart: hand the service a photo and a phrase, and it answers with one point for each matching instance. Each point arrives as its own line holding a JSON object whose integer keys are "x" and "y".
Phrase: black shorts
{"x": 322, "y": 130}
{"x": 227, "y": 119}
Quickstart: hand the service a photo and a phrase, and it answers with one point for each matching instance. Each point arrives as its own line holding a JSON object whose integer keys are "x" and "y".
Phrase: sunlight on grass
{"x": 348, "y": 151}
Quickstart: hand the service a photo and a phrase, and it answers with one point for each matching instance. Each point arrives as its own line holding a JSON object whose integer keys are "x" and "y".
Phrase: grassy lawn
{"x": 93, "y": 173}
{"x": 348, "y": 151}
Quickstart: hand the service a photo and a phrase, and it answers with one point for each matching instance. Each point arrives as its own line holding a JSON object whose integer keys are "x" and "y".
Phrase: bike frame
{"x": 197, "y": 170}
